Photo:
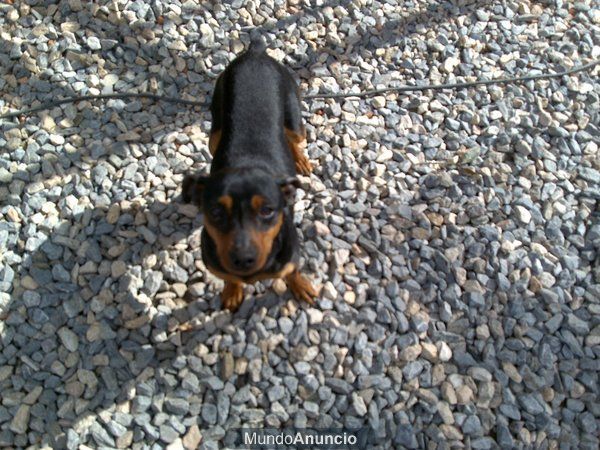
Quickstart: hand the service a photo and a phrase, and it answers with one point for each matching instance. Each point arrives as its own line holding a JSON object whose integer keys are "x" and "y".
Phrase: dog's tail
{"x": 257, "y": 45}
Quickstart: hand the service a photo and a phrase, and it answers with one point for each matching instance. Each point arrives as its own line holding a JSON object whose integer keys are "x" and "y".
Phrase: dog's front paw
{"x": 301, "y": 288}
{"x": 232, "y": 296}
{"x": 303, "y": 166}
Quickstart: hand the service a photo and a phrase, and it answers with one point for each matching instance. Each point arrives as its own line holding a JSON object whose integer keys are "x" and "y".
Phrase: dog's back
{"x": 249, "y": 108}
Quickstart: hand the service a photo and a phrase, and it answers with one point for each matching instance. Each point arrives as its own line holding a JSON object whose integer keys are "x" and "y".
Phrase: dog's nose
{"x": 243, "y": 259}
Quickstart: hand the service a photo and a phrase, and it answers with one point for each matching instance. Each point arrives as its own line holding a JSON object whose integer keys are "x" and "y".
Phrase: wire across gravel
{"x": 455, "y": 234}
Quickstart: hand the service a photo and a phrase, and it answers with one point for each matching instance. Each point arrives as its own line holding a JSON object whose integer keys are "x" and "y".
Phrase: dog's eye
{"x": 217, "y": 212}
{"x": 266, "y": 213}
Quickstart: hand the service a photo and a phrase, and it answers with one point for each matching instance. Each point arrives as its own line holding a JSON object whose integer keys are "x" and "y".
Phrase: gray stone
{"x": 178, "y": 406}
{"x": 209, "y": 413}
{"x": 285, "y": 325}
{"x": 93, "y": 43}
{"x": 405, "y": 436}
{"x": 68, "y": 339}
{"x": 577, "y": 325}
{"x": 20, "y": 421}
{"x": 276, "y": 393}
{"x": 213, "y": 383}
{"x": 472, "y": 426}
{"x": 339, "y": 386}
{"x": 175, "y": 273}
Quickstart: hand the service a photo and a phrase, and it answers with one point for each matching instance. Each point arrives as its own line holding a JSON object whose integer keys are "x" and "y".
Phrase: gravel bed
{"x": 455, "y": 234}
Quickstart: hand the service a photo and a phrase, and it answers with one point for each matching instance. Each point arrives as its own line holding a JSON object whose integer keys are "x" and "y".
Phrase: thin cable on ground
{"x": 439, "y": 87}
{"x": 50, "y": 105}
{"x": 368, "y": 93}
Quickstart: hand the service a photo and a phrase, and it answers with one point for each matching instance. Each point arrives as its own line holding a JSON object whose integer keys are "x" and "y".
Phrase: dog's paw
{"x": 232, "y": 296}
{"x": 303, "y": 166}
{"x": 301, "y": 288}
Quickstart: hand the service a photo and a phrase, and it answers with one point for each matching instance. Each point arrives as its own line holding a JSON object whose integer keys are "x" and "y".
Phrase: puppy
{"x": 257, "y": 142}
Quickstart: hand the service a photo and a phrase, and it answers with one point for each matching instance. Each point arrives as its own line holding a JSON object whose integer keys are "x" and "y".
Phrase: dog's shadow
{"x": 126, "y": 302}
{"x": 141, "y": 253}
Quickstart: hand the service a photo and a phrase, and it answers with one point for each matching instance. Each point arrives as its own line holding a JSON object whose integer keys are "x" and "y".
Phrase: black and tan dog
{"x": 257, "y": 141}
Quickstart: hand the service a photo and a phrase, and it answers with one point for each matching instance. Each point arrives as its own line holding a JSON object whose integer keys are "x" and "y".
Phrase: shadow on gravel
{"x": 94, "y": 323}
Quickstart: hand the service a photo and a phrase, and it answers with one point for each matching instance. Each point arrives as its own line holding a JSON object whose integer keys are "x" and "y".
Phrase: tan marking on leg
{"x": 232, "y": 296}
{"x": 213, "y": 141}
{"x": 287, "y": 270}
{"x": 301, "y": 287}
{"x": 297, "y": 143}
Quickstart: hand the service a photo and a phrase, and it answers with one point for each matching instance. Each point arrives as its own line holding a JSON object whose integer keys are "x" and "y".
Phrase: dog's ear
{"x": 288, "y": 187}
{"x": 192, "y": 189}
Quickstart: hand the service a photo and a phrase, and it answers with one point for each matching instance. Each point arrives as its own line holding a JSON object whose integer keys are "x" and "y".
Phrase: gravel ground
{"x": 455, "y": 234}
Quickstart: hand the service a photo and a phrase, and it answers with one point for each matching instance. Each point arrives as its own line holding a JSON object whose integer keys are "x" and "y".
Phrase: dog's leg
{"x": 213, "y": 141}
{"x": 295, "y": 132}
{"x": 297, "y": 142}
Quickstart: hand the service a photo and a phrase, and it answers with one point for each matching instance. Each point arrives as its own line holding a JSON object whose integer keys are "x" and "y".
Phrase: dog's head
{"x": 243, "y": 214}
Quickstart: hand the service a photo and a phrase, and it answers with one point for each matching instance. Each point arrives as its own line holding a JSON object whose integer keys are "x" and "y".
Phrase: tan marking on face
{"x": 263, "y": 240}
{"x": 223, "y": 242}
{"x": 256, "y": 202}
{"x": 227, "y": 202}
